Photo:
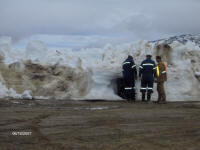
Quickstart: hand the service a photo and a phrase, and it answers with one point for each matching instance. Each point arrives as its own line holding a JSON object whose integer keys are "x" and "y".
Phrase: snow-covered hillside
{"x": 41, "y": 72}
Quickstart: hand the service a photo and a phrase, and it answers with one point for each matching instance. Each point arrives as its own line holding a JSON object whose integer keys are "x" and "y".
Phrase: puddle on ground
{"x": 96, "y": 108}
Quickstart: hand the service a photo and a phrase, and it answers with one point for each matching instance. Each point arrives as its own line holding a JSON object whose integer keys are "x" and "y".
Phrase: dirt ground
{"x": 98, "y": 125}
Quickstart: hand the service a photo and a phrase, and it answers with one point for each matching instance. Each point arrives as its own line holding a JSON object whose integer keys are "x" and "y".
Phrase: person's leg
{"x": 159, "y": 91}
{"x": 125, "y": 85}
{"x": 162, "y": 90}
{"x": 150, "y": 89}
{"x": 148, "y": 96}
{"x": 128, "y": 87}
{"x": 143, "y": 88}
{"x": 133, "y": 89}
{"x": 120, "y": 87}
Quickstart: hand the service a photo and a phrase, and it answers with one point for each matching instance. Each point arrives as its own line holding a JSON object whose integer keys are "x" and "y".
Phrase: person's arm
{"x": 154, "y": 69}
{"x": 163, "y": 68}
{"x": 163, "y": 72}
{"x": 134, "y": 68}
{"x": 135, "y": 72}
{"x": 140, "y": 69}
{"x": 155, "y": 73}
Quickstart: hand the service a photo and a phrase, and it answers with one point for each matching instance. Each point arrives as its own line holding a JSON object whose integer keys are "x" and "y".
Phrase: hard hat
{"x": 129, "y": 56}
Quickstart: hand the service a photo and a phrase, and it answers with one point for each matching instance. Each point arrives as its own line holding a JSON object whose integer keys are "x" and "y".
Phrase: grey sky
{"x": 116, "y": 20}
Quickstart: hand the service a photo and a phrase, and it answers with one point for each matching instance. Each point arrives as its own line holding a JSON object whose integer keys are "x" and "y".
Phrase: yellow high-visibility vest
{"x": 157, "y": 71}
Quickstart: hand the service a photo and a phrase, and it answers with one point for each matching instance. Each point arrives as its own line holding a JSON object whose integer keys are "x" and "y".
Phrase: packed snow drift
{"x": 41, "y": 72}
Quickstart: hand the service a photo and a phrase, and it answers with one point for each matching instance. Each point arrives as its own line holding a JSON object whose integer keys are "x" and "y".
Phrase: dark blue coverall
{"x": 129, "y": 75}
{"x": 147, "y": 72}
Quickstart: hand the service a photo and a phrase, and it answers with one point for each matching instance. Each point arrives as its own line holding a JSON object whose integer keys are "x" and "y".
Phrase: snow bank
{"x": 90, "y": 73}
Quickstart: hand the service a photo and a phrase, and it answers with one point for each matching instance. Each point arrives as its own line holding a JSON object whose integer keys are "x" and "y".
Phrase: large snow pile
{"x": 41, "y": 72}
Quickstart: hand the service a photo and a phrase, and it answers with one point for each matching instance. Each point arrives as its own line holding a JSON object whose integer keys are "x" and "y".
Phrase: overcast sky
{"x": 96, "y": 22}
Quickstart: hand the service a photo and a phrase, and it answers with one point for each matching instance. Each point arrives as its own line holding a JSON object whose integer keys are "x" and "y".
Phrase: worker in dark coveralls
{"x": 129, "y": 76}
{"x": 161, "y": 77}
{"x": 147, "y": 72}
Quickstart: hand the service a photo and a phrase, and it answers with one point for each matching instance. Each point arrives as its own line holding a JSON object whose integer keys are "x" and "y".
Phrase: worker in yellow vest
{"x": 161, "y": 77}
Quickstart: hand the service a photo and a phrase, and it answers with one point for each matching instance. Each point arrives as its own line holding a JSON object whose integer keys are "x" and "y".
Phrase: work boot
{"x": 143, "y": 97}
{"x": 133, "y": 99}
{"x": 163, "y": 102}
{"x": 148, "y": 97}
{"x": 133, "y": 94}
{"x": 159, "y": 99}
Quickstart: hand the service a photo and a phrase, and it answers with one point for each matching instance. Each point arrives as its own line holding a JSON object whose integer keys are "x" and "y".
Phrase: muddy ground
{"x": 98, "y": 125}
